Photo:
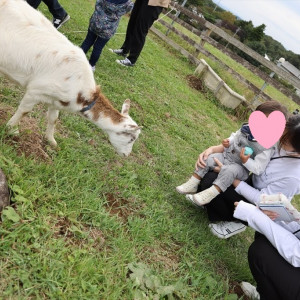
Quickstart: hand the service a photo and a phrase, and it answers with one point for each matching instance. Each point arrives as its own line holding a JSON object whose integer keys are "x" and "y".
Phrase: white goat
{"x": 56, "y": 72}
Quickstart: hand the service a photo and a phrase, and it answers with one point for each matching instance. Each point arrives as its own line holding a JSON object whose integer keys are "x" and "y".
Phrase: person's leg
{"x": 131, "y": 26}
{"x": 224, "y": 180}
{"x": 88, "y": 41}
{"x": 221, "y": 207}
{"x": 228, "y": 173}
{"x": 56, "y": 9}
{"x": 97, "y": 49}
{"x": 146, "y": 17}
{"x": 34, "y": 3}
{"x": 275, "y": 277}
{"x": 191, "y": 186}
{"x": 207, "y": 181}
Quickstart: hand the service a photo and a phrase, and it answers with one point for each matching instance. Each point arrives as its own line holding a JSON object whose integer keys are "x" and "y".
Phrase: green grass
{"x": 86, "y": 214}
{"x": 229, "y": 79}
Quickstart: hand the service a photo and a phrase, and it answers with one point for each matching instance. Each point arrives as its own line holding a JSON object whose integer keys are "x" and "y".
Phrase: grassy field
{"x": 87, "y": 224}
{"x": 229, "y": 79}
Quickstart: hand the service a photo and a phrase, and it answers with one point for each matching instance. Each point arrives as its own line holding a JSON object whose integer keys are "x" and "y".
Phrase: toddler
{"x": 236, "y": 165}
{"x": 103, "y": 25}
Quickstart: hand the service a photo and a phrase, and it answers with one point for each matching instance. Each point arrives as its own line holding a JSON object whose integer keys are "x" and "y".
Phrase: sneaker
{"x": 225, "y": 230}
{"x": 125, "y": 62}
{"x": 189, "y": 187}
{"x": 250, "y": 290}
{"x": 93, "y": 68}
{"x": 118, "y": 52}
{"x": 206, "y": 196}
{"x": 57, "y": 23}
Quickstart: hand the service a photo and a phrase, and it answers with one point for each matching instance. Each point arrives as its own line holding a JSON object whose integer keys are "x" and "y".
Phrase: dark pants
{"x": 222, "y": 207}
{"x": 54, "y": 7}
{"x": 141, "y": 19}
{"x": 276, "y": 279}
{"x": 98, "y": 44}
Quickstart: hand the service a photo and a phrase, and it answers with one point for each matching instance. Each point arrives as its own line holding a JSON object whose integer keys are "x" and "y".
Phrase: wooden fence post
{"x": 207, "y": 33}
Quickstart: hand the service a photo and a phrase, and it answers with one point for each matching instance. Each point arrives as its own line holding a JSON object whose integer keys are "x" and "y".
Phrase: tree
{"x": 227, "y": 16}
{"x": 257, "y": 33}
{"x": 251, "y": 33}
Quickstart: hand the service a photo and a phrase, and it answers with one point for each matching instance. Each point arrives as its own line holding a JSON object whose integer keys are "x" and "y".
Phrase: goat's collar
{"x": 88, "y": 107}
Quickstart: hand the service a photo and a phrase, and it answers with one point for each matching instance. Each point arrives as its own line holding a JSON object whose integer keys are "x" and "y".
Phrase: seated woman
{"x": 282, "y": 174}
{"x": 274, "y": 256}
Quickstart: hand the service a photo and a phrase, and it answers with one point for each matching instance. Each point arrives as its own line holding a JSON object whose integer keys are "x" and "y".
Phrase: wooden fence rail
{"x": 199, "y": 48}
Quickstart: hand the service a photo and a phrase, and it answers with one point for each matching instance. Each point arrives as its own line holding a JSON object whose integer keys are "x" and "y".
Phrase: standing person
{"x": 60, "y": 16}
{"x": 274, "y": 256}
{"x": 143, "y": 15}
{"x": 103, "y": 25}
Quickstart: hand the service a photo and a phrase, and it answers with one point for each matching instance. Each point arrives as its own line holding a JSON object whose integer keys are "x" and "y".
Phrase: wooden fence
{"x": 205, "y": 38}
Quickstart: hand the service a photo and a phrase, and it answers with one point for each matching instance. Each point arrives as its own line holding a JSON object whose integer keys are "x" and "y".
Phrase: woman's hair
{"x": 270, "y": 106}
{"x": 291, "y": 134}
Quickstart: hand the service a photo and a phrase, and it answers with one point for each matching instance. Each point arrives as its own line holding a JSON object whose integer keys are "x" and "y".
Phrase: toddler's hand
{"x": 244, "y": 158}
{"x": 225, "y": 143}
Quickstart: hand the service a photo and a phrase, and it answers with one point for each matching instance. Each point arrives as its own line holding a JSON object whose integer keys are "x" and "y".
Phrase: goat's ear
{"x": 125, "y": 107}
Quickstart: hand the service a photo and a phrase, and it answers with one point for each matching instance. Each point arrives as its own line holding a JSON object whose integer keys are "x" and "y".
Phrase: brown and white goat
{"x": 56, "y": 72}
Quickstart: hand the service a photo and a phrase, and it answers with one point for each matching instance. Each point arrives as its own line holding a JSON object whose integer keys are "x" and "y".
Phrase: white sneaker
{"x": 250, "y": 290}
{"x": 117, "y": 51}
{"x": 125, "y": 62}
{"x": 189, "y": 187}
{"x": 225, "y": 230}
{"x": 206, "y": 196}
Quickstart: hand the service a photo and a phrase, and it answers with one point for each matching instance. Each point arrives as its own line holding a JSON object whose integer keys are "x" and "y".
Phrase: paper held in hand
{"x": 281, "y": 205}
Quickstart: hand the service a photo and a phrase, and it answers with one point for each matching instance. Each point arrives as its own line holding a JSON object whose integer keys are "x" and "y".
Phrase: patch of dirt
{"x": 65, "y": 228}
{"x": 195, "y": 82}
{"x": 29, "y": 142}
{"x": 166, "y": 254}
{"x": 120, "y": 207}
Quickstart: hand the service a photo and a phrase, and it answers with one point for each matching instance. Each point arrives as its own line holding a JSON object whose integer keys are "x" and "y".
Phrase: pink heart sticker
{"x": 267, "y": 130}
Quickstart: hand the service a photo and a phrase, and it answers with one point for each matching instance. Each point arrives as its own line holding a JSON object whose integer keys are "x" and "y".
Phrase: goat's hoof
{"x": 53, "y": 144}
{"x": 13, "y": 130}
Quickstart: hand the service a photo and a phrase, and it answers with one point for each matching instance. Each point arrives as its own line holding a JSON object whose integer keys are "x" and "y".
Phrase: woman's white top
{"x": 284, "y": 237}
{"x": 281, "y": 175}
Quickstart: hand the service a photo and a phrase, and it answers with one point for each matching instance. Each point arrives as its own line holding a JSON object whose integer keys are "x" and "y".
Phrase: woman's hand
{"x": 271, "y": 214}
{"x": 200, "y": 163}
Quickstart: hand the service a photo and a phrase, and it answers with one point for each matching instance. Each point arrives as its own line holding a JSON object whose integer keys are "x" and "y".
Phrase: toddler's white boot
{"x": 189, "y": 187}
{"x": 206, "y": 196}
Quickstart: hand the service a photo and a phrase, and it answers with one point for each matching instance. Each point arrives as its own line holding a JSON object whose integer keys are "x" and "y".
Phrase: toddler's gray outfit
{"x": 232, "y": 165}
